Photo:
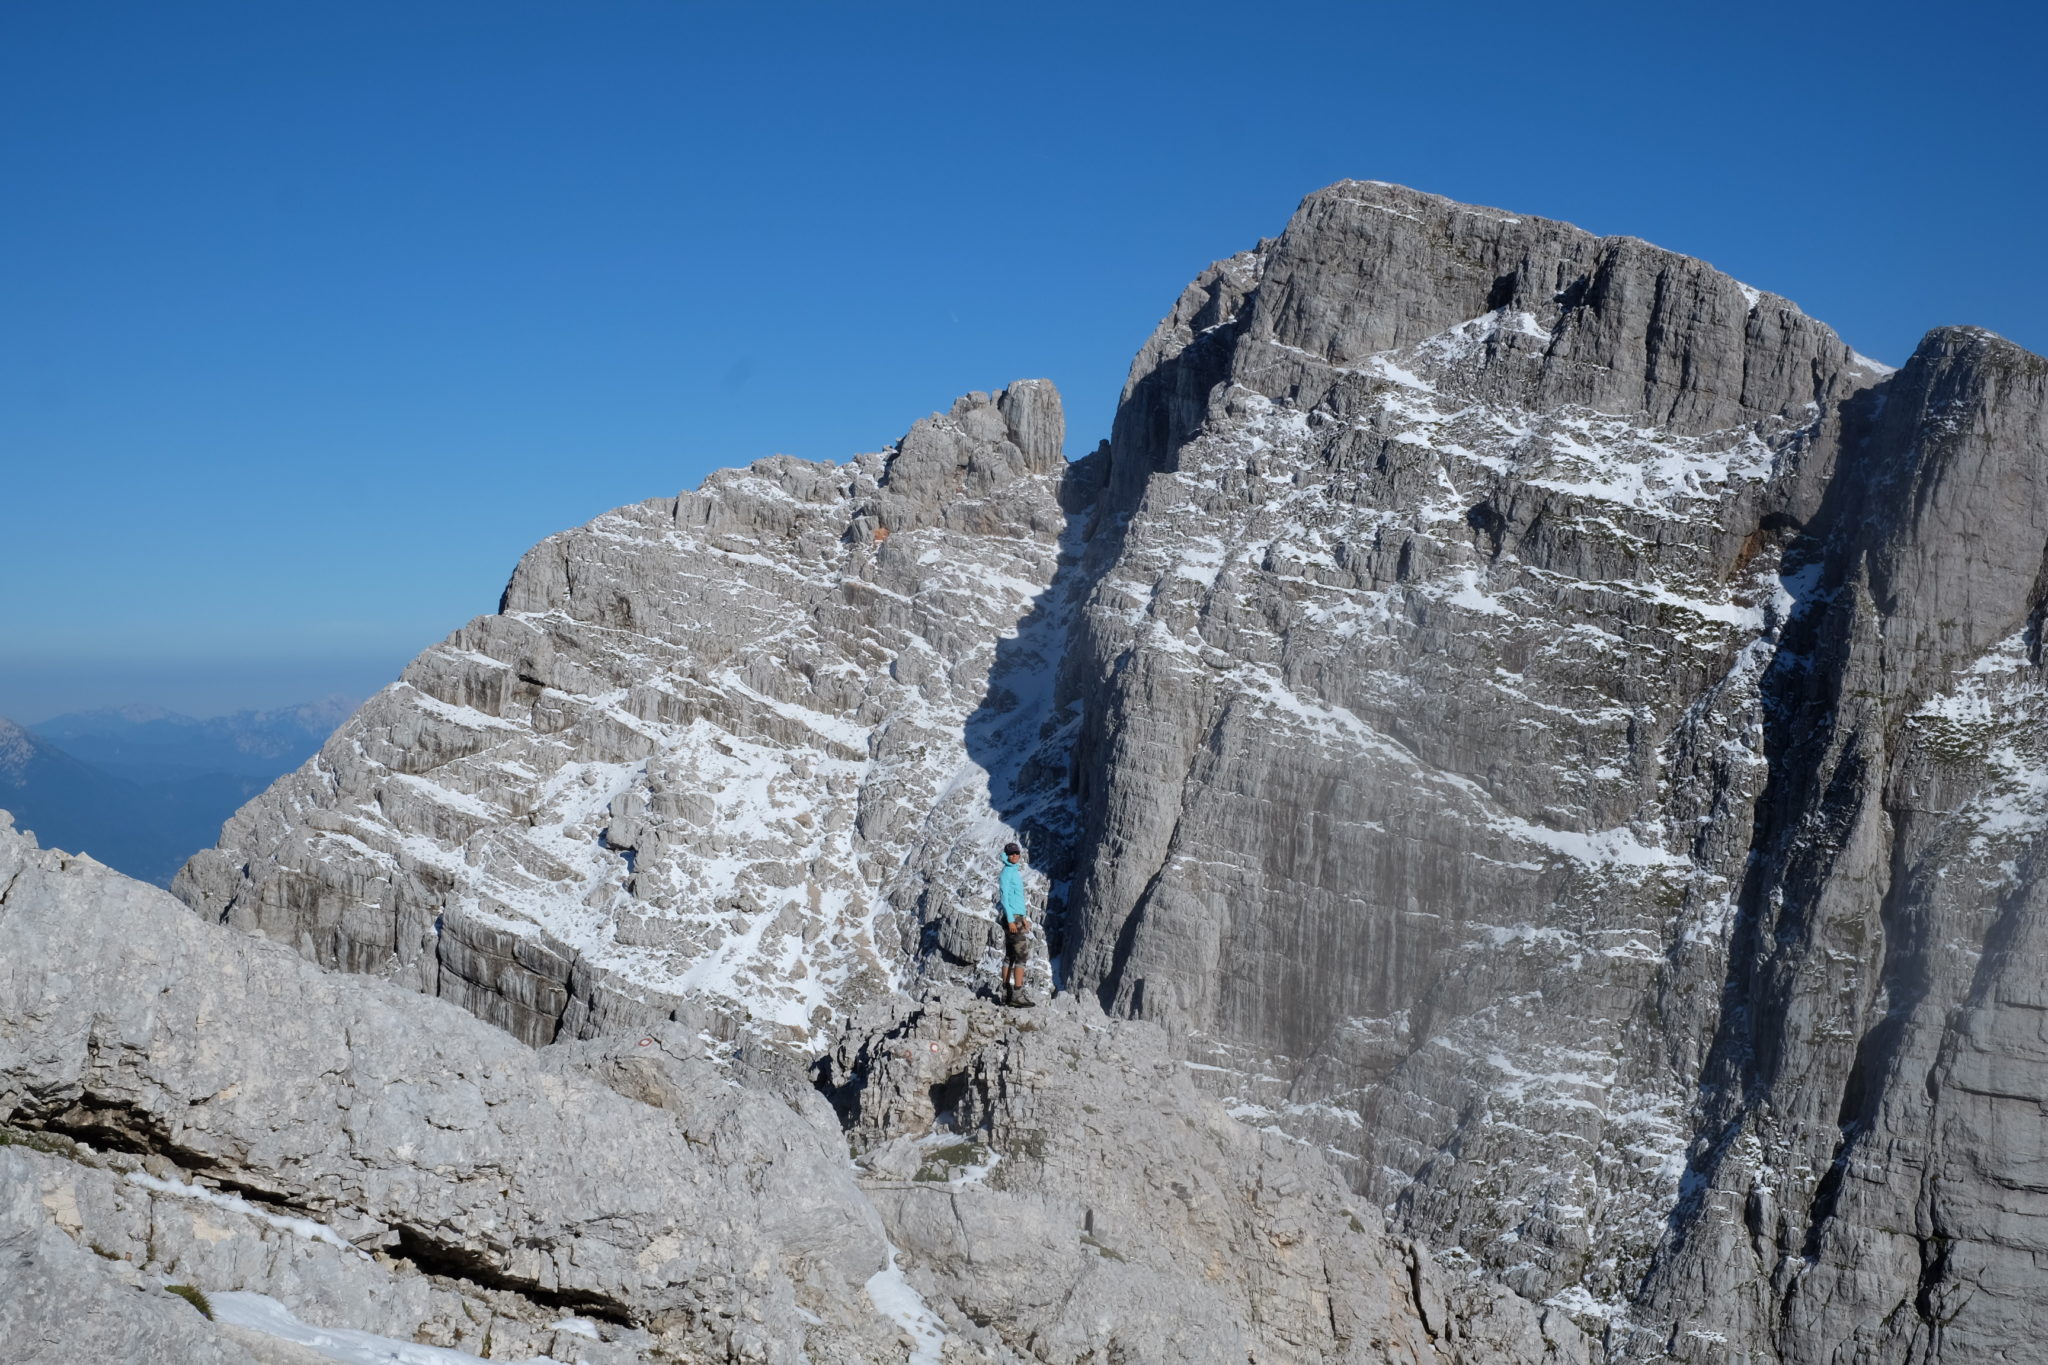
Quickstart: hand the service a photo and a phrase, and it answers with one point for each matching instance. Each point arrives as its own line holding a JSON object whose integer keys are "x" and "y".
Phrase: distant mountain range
{"x": 141, "y": 788}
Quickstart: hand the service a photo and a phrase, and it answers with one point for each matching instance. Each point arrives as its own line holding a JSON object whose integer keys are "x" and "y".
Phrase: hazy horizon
{"x": 202, "y": 690}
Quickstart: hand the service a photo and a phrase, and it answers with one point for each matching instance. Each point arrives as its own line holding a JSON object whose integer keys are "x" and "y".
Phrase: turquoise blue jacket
{"x": 1014, "y": 906}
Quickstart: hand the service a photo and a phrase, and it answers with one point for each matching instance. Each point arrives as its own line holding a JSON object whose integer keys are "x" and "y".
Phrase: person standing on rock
{"x": 1016, "y": 923}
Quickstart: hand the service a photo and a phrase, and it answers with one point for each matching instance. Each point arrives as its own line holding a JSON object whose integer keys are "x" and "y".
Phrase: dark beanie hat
{"x": 1011, "y": 848}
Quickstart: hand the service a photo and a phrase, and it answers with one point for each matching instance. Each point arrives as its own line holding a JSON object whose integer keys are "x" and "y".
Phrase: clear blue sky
{"x": 314, "y": 315}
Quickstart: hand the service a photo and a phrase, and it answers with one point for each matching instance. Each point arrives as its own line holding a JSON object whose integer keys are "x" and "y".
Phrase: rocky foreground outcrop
{"x": 1536, "y": 719}
{"x": 339, "y": 1161}
{"x": 384, "y": 1162}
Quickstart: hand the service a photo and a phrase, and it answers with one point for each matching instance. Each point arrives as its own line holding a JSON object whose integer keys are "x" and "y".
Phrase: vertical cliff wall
{"x": 1543, "y": 699}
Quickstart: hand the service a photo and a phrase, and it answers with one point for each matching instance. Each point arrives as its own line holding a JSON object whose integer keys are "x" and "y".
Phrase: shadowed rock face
{"x": 1864, "y": 1172}
{"x": 1523, "y": 711}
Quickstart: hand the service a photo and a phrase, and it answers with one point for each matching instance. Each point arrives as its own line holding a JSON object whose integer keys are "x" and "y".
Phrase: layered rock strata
{"x": 1523, "y": 712}
{"x": 710, "y": 746}
{"x": 213, "y": 1109}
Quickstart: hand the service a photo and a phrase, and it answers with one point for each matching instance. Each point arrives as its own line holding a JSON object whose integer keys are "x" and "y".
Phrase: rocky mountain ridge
{"x": 1526, "y": 714}
{"x": 149, "y": 831}
{"x": 150, "y": 743}
{"x": 139, "y": 787}
{"x": 711, "y": 745}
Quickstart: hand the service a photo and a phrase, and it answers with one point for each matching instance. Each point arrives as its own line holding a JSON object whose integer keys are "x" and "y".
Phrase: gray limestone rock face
{"x": 1422, "y": 675}
{"x": 1508, "y": 686}
{"x": 60, "y": 1303}
{"x": 1864, "y": 1175}
{"x": 646, "y": 1192}
{"x": 711, "y": 746}
{"x": 1069, "y": 1196}
{"x": 1537, "y": 720}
